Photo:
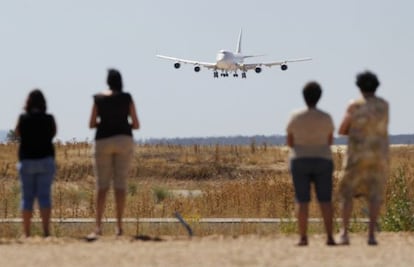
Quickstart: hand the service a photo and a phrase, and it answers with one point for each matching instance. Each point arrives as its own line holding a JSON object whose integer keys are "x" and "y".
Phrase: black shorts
{"x": 312, "y": 170}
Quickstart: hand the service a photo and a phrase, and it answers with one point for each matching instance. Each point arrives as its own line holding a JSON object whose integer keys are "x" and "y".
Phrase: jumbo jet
{"x": 231, "y": 62}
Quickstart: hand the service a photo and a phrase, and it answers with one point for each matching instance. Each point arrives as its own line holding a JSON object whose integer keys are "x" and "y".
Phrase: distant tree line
{"x": 401, "y": 139}
{"x": 257, "y": 139}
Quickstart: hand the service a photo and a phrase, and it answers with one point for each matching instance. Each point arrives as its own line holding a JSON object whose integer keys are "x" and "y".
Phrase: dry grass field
{"x": 199, "y": 182}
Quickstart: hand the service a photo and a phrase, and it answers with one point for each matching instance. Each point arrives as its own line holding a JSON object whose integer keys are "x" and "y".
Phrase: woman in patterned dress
{"x": 366, "y": 167}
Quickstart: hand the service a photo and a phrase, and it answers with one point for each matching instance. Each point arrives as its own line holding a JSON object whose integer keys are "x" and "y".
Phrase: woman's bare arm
{"x": 290, "y": 140}
{"x": 93, "y": 121}
{"x": 330, "y": 139}
{"x": 133, "y": 114}
{"x": 346, "y": 122}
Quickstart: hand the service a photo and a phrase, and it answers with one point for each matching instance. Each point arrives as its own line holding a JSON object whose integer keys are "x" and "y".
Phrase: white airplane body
{"x": 232, "y": 62}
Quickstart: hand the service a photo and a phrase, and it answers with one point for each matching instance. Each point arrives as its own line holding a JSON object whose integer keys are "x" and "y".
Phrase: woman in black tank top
{"x": 114, "y": 116}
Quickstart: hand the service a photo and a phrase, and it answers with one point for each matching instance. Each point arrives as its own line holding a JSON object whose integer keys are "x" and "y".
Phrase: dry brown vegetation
{"x": 234, "y": 181}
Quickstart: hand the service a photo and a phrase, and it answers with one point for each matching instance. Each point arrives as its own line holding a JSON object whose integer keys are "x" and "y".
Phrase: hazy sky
{"x": 66, "y": 47}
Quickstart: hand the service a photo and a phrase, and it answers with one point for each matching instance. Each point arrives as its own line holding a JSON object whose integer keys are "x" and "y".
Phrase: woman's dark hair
{"x": 312, "y": 93}
{"x": 367, "y": 82}
{"x": 35, "y": 102}
{"x": 114, "y": 80}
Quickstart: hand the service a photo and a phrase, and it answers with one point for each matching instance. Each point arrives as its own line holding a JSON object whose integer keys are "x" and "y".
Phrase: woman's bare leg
{"x": 120, "y": 197}
{"x": 302, "y": 215}
{"x": 327, "y": 214}
{"x": 27, "y": 216}
{"x": 45, "y": 215}
{"x": 346, "y": 215}
{"x": 374, "y": 209}
{"x": 100, "y": 208}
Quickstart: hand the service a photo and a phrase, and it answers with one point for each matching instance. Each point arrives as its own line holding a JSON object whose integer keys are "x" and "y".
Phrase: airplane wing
{"x": 207, "y": 65}
{"x": 249, "y": 66}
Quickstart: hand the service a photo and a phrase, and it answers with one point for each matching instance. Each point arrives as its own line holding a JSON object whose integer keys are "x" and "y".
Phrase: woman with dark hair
{"x": 114, "y": 116}
{"x": 309, "y": 136}
{"x": 366, "y": 166}
{"x": 36, "y": 130}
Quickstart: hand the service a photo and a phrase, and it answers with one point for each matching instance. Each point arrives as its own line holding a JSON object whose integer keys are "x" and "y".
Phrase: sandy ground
{"x": 395, "y": 249}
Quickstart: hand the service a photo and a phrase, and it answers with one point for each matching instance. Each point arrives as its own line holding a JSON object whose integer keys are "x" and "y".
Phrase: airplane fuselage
{"x": 228, "y": 61}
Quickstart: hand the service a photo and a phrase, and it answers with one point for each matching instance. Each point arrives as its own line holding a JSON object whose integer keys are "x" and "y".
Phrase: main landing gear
{"x": 226, "y": 74}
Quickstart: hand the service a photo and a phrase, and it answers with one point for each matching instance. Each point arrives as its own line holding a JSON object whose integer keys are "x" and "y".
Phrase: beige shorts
{"x": 112, "y": 161}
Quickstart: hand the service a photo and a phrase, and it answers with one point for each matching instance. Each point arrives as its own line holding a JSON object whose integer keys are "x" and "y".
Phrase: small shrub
{"x": 160, "y": 193}
{"x": 132, "y": 189}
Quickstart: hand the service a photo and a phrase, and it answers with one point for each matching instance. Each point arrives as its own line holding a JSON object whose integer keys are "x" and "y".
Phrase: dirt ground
{"x": 394, "y": 249}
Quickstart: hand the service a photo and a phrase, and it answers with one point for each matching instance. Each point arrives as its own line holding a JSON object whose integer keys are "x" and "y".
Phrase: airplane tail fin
{"x": 238, "y": 48}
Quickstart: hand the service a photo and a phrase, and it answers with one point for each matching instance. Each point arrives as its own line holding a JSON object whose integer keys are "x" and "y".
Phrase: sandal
{"x": 119, "y": 232}
{"x": 330, "y": 241}
{"x": 303, "y": 241}
{"x": 372, "y": 241}
{"x": 93, "y": 236}
{"x": 344, "y": 240}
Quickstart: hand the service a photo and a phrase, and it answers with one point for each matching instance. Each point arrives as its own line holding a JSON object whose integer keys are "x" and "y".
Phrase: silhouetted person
{"x": 36, "y": 167}
{"x": 310, "y": 135}
{"x": 367, "y": 163}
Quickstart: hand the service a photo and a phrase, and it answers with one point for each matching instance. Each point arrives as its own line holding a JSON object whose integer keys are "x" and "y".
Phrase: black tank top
{"x": 36, "y": 134}
{"x": 113, "y": 112}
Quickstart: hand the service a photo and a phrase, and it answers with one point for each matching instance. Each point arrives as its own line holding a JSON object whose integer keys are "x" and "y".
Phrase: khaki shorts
{"x": 112, "y": 161}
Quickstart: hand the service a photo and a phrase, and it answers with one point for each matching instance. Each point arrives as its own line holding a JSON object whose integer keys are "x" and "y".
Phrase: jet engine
{"x": 258, "y": 69}
{"x": 284, "y": 67}
{"x": 196, "y": 68}
{"x": 177, "y": 65}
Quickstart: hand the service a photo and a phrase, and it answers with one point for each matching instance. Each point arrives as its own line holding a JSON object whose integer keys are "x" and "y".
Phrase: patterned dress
{"x": 367, "y": 161}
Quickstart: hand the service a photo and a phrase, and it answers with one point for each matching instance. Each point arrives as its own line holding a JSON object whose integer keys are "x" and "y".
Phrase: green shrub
{"x": 160, "y": 193}
{"x": 399, "y": 206}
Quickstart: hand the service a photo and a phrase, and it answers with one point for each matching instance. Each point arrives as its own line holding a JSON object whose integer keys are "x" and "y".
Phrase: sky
{"x": 65, "y": 48}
